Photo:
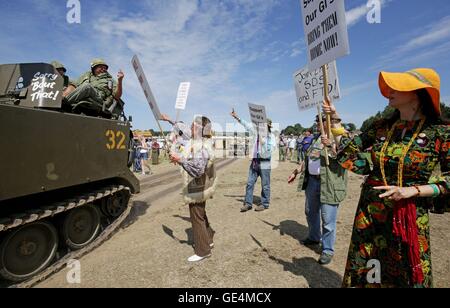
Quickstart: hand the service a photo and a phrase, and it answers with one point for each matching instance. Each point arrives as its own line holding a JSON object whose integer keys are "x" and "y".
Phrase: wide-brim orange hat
{"x": 416, "y": 79}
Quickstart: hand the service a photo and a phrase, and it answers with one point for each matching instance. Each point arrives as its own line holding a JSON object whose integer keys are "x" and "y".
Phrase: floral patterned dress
{"x": 373, "y": 237}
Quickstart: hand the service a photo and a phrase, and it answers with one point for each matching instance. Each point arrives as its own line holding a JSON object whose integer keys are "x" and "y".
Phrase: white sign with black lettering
{"x": 325, "y": 31}
{"x": 257, "y": 114}
{"x": 43, "y": 87}
{"x": 183, "y": 93}
{"x": 146, "y": 87}
{"x": 309, "y": 86}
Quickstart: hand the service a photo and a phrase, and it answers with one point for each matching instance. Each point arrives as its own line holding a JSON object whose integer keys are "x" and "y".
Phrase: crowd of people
{"x": 294, "y": 147}
{"x": 146, "y": 150}
{"x": 397, "y": 156}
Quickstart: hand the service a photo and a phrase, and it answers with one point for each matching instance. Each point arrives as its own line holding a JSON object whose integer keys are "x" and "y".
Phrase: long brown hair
{"x": 426, "y": 106}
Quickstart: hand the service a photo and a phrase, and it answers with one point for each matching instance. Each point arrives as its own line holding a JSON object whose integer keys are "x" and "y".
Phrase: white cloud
{"x": 205, "y": 43}
{"x": 434, "y": 33}
{"x": 356, "y": 14}
{"x": 296, "y": 52}
{"x": 424, "y": 45}
{"x": 357, "y": 88}
{"x": 297, "y": 48}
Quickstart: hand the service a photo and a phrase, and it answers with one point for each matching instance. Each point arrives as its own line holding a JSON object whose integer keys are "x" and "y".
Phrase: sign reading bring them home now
{"x": 146, "y": 87}
{"x": 182, "y": 96}
{"x": 309, "y": 86}
{"x": 325, "y": 28}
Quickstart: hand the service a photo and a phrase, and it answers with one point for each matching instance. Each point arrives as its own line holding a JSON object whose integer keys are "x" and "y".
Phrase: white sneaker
{"x": 196, "y": 258}
{"x": 211, "y": 245}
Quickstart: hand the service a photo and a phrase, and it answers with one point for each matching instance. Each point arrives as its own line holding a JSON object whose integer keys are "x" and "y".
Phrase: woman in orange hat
{"x": 390, "y": 245}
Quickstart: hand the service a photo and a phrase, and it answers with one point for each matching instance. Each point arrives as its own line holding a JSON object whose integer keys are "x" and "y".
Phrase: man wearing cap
{"x": 97, "y": 86}
{"x": 261, "y": 164}
{"x": 325, "y": 186}
{"x": 61, "y": 69}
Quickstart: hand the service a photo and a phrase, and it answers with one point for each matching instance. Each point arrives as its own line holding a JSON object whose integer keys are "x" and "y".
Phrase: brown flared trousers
{"x": 202, "y": 231}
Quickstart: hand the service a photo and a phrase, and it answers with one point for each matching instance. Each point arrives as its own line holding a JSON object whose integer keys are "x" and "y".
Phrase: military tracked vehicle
{"x": 65, "y": 171}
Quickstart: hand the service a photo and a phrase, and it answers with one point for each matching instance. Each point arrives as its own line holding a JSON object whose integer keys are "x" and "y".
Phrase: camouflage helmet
{"x": 58, "y": 65}
{"x": 96, "y": 62}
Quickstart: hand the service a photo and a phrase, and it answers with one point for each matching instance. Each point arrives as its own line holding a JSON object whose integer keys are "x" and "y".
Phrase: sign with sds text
{"x": 309, "y": 86}
{"x": 146, "y": 87}
{"x": 182, "y": 96}
{"x": 325, "y": 28}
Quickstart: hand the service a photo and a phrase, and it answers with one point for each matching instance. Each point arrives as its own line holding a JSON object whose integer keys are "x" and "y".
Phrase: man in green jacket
{"x": 97, "y": 86}
{"x": 326, "y": 187}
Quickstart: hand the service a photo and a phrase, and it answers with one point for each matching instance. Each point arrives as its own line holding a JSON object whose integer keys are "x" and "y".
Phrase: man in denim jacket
{"x": 261, "y": 164}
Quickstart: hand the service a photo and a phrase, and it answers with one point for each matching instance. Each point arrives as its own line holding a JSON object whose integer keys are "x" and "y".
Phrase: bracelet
{"x": 436, "y": 190}
{"x": 418, "y": 190}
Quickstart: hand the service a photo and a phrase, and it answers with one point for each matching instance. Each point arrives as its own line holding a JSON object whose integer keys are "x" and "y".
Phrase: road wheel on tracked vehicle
{"x": 80, "y": 227}
{"x": 27, "y": 250}
{"x": 116, "y": 204}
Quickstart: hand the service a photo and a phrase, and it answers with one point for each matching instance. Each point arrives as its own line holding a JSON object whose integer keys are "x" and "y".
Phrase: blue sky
{"x": 232, "y": 51}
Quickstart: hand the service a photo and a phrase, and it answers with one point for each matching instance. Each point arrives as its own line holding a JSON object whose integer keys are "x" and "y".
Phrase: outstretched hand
{"x": 120, "y": 75}
{"x": 234, "y": 114}
{"x": 397, "y": 193}
{"x": 292, "y": 178}
{"x": 174, "y": 158}
{"x": 165, "y": 117}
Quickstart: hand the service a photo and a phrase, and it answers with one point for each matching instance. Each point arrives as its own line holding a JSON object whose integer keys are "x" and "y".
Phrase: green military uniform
{"x": 333, "y": 178}
{"x": 95, "y": 89}
{"x": 58, "y": 65}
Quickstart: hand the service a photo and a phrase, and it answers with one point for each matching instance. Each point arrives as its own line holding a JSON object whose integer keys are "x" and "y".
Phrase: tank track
{"x": 61, "y": 207}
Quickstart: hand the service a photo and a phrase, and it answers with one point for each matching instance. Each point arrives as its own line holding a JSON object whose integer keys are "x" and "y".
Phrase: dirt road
{"x": 251, "y": 249}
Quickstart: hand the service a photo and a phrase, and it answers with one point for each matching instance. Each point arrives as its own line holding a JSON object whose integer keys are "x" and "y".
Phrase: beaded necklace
{"x": 405, "y": 151}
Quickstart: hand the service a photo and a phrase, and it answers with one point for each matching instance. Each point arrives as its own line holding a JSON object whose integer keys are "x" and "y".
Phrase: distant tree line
{"x": 298, "y": 129}
{"x": 388, "y": 111}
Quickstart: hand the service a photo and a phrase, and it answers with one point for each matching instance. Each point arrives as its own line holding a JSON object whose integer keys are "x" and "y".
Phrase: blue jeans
{"x": 137, "y": 162}
{"x": 263, "y": 171}
{"x": 299, "y": 155}
{"x": 315, "y": 210}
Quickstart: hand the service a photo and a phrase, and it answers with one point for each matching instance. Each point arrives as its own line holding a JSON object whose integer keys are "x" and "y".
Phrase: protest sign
{"x": 325, "y": 31}
{"x": 146, "y": 88}
{"x": 182, "y": 96}
{"x": 257, "y": 114}
{"x": 309, "y": 86}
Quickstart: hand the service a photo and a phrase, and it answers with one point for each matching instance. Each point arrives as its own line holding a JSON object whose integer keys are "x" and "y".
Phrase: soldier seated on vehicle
{"x": 96, "y": 92}
{"x": 69, "y": 85}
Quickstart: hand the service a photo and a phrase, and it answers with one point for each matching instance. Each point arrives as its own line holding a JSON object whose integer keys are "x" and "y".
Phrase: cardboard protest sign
{"x": 309, "y": 86}
{"x": 257, "y": 114}
{"x": 325, "y": 28}
{"x": 182, "y": 96}
{"x": 146, "y": 87}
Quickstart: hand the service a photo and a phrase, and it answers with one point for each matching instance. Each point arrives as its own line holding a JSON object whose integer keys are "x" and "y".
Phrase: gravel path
{"x": 251, "y": 249}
